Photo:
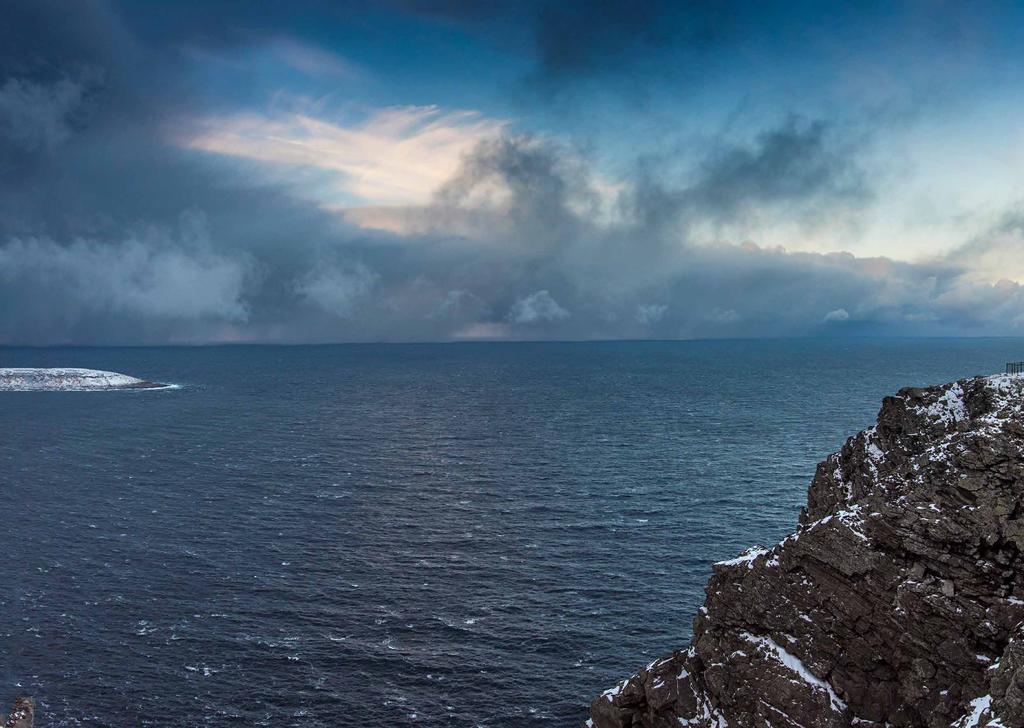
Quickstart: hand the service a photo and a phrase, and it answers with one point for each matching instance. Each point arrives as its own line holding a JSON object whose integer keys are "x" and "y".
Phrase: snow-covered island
{"x": 69, "y": 380}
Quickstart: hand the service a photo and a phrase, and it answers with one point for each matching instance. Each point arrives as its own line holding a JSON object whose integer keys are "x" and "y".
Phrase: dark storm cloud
{"x": 52, "y": 61}
{"x": 47, "y": 37}
{"x": 799, "y": 162}
{"x": 803, "y": 167}
{"x": 582, "y": 38}
{"x": 637, "y": 50}
{"x": 111, "y": 233}
{"x": 644, "y": 275}
{"x": 108, "y": 232}
{"x": 541, "y": 183}
{"x": 36, "y": 115}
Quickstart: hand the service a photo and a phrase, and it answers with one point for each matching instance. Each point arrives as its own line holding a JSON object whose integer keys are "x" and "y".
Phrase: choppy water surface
{"x": 389, "y": 535}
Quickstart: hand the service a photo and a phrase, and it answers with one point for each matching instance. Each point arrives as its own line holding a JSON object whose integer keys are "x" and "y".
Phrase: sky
{"x": 442, "y": 170}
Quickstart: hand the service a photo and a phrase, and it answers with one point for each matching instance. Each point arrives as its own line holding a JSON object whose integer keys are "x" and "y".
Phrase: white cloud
{"x": 839, "y": 314}
{"x": 337, "y": 290}
{"x": 535, "y": 308}
{"x": 650, "y": 313}
{"x": 311, "y": 59}
{"x": 723, "y": 316}
{"x": 395, "y": 156}
{"x": 459, "y": 302}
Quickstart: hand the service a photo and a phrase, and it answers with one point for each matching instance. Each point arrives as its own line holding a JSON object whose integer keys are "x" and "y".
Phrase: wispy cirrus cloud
{"x": 392, "y": 156}
{"x": 311, "y": 59}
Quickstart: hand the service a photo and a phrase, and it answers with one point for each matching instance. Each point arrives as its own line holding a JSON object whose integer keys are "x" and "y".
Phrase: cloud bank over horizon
{"x": 146, "y": 200}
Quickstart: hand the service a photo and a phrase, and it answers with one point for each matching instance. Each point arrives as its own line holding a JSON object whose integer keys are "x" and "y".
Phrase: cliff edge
{"x": 899, "y": 599}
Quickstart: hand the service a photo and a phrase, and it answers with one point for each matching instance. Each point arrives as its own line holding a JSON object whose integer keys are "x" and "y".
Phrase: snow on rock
{"x": 747, "y": 557}
{"x": 978, "y": 708}
{"x": 611, "y": 692}
{"x": 949, "y": 408}
{"x": 796, "y": 665}
{"x": 69, "y": 380}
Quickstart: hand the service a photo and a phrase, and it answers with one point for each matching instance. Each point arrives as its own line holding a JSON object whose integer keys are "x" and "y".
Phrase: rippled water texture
{"x": 386, "y": 535}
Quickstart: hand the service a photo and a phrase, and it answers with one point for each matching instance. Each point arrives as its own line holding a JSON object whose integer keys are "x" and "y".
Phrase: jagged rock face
{"x": 899, "y": 599}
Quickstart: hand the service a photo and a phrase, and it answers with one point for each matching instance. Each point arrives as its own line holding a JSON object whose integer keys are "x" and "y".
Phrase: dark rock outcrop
{"x": 899, "y": 600}
{"x": 21, "y": 716}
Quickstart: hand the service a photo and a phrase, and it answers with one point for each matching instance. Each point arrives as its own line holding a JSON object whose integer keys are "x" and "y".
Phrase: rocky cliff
{"x": 899, "y": 599}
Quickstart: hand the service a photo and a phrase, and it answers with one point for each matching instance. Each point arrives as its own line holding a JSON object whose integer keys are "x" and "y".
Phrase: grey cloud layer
{"x": 39, "y": 115}
{"x": 111, "y": 234}
{"x": 140, "y": 284}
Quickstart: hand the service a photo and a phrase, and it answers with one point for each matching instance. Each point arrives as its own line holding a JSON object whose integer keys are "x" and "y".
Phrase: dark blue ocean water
{"x": 442, "y": 535}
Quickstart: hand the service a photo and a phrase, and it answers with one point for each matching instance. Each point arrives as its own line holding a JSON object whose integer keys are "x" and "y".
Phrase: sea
{"x": 466, "y": 534}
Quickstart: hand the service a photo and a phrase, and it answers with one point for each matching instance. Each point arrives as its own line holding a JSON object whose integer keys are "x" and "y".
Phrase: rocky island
{"x": 69, "y": 380}
{"x": 21, "y": 716}
{"x": 898, "y": 600}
